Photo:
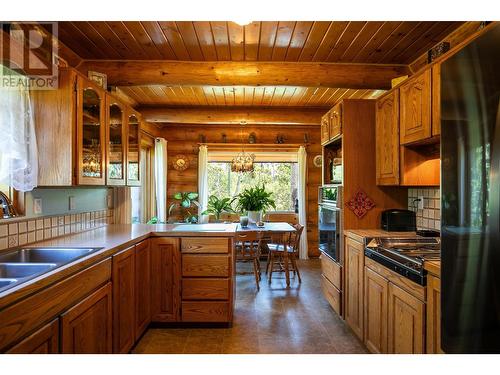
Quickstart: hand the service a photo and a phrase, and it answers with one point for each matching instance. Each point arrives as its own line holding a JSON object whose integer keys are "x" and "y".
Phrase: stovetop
{"x": 405, "y": 256}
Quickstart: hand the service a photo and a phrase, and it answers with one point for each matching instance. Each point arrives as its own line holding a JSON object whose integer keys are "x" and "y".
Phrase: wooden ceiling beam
{"x": 233, "y": 115}
{"x": 247, "y": 73}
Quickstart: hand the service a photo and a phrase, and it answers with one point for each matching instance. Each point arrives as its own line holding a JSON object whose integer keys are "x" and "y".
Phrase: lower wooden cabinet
{"x": 433, "y": 315}
{"x": 332, "y": 294}
{"x": 142, "y": 287}
{"x": 124, "y": 300}
{"x": 406, "y": 318}
{"x": 331, "y": 283}
{"x": 87, "y": 327}
{"x": 354, "y": 269}
{"x": 375, "y": 314}
{"x": 43, "y": 341}
{"x": 165, "y": 279}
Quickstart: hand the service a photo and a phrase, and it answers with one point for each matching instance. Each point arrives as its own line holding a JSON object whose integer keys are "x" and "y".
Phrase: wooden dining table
{"x": 268, "y": 229}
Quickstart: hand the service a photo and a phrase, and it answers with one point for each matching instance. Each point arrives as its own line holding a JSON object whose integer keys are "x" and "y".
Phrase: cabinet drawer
{"x": 205, "y": 311}
{"x": 205, "y": 245}
{"x": 205, "y": 289}
{"x": 205, "y": 265}
{"x": 332, "y": 271}
{"x": 332, "y": 294}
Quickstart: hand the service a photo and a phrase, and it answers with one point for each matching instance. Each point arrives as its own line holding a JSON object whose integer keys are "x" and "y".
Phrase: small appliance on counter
{"x": 397, "y": 220}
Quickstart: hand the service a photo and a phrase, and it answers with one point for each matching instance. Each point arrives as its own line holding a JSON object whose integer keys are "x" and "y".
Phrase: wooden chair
{"x": 282, "y": 248}
{"x": 247, "y": 246}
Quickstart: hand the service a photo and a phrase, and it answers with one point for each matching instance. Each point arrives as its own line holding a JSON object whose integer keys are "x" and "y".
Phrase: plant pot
{"x": 254, "y": 216}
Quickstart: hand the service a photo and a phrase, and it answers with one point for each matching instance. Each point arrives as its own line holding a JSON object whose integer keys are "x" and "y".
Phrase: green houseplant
{"x": 216, "y": 206}
{"x": 186, "y": 201}
{"x": 255, "y": 200}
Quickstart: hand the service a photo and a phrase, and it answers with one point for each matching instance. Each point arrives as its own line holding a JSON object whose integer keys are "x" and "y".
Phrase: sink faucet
{"x": 6, "y": 207}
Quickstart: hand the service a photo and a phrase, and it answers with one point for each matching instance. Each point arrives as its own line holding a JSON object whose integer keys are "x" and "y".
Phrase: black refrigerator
{"x": 470, "y": 197}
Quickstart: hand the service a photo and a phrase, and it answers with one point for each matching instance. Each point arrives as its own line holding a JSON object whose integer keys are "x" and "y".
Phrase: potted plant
{"x": 216, "y": 206}
{"x": 254, "y": 201}
{"x": 186, "y": 201}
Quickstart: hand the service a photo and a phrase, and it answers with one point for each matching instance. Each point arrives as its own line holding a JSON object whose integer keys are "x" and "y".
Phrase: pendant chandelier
{"x": 242, "y": 162}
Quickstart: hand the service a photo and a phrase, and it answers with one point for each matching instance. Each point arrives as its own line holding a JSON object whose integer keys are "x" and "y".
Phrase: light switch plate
{"x": 109, "y": 200}
{"x": 72, "y": 203}
{"x": 37, "y": 206}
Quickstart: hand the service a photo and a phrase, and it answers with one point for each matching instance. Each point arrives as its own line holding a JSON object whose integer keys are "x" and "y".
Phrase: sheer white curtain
{"x": 161, "y": 164}
{"x": 302, "y": 196}
{"x": 203, "y": 182}
{"x": 18, "y": 150}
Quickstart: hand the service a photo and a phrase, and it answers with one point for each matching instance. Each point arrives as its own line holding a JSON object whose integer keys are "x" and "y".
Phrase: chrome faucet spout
{"x": 6, "y": 207}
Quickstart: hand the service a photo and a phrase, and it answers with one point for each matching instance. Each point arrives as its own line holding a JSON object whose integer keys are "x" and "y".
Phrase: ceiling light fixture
{"x": 242, "y": 22}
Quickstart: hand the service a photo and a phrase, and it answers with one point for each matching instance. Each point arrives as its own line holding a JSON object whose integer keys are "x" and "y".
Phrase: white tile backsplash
{"x": 28, "y": 231}
{"x": 430, "y": 216}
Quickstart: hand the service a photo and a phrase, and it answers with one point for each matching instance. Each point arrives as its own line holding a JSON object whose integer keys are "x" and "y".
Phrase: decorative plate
{"x": 180, "y": 163}
{"x": 318, "y": 161}
{"x": 360, "y": 204}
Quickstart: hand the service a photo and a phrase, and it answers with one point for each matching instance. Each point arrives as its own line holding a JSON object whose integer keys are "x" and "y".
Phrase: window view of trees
{"x": 278, "y": 178}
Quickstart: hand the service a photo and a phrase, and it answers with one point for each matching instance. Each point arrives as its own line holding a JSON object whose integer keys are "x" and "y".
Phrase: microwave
{"x": 330, "y": 194}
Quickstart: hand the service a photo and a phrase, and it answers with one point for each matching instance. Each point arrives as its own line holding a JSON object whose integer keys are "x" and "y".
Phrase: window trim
{"x": 217, "y": 153}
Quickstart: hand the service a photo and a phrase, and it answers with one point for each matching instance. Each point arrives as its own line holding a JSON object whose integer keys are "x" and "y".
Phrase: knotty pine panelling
{"x": 326, "y": 41}
{"x": 184, "y": 139}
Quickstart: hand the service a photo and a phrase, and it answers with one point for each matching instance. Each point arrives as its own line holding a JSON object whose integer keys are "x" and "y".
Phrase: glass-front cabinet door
{"x": 90, "y": 134}
{"x": 116, "y": 137}
{"x": 133, "y": 150}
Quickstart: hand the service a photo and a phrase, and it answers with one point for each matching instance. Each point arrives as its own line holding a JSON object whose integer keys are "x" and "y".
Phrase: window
{"x": 142, "y": 197}
{"x": 280, "y": 178}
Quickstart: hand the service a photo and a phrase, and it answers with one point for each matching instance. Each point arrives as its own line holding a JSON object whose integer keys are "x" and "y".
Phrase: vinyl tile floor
{"x": 274, "y": 320}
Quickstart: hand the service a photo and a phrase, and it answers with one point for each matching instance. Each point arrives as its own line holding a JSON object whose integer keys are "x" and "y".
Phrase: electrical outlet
{"x": 37, "y": 206}
{"x": 72, "y": 203}
{"x": 420, "y": 203}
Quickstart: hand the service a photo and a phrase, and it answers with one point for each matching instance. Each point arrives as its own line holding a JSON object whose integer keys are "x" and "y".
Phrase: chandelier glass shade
{"x": 242, "y": 162}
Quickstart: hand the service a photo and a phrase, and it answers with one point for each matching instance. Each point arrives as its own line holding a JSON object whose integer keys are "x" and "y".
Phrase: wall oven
{"x": 330, "y": 221}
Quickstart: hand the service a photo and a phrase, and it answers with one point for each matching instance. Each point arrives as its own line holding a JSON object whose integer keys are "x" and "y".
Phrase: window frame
{"x": 218, "y": 159}
{"x": 17, "y": 198}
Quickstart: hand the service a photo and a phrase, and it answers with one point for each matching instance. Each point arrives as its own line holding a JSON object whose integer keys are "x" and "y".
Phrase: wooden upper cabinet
{"x": 133, "y": 149}
{"x": 433, "y": 321}
{"x": 165, "y": 279}
{"x": 86, "y": 328}
{"x": 354, "y": 269}
{"x": 406, "y": 317}
{"x": 436, "y": 100}
{"x": 43, "y": 341}
{"x": 387, "y": 139}
{"x": 124, "y": 300}
{"x": 325, "y": 128}
{"x": 90, "y": 136}
{"x": 116, "y": 141}
{"x": 415, "y": 108}
{"x": 375, "y": 314}
{"x": 54, "y": 113}
{"x": 336, "y": 121}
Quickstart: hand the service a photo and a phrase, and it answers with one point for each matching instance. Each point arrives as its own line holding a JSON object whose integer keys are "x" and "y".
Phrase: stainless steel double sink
{"x": 21, "y": 265}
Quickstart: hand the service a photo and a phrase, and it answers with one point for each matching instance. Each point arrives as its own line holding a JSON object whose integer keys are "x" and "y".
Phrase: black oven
{"x": 330, "y": 221}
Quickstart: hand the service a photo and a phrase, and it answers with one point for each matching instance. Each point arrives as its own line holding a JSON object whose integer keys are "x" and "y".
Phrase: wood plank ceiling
{"x": 283, "y": 41}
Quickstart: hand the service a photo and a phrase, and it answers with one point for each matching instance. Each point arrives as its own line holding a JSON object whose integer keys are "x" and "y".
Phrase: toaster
{"x": 397, "y": 220}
